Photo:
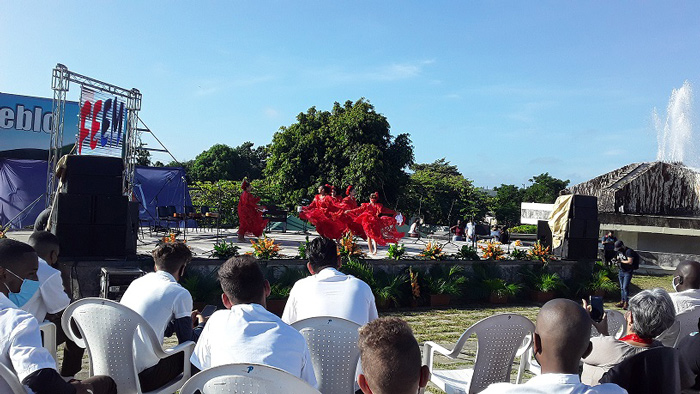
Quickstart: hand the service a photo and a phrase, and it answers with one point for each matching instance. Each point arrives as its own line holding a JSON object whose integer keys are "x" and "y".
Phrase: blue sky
{"x": 503, "y": 89}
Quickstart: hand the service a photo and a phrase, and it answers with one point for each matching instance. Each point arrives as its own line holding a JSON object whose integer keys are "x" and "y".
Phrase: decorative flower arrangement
{"x": 347, "y": 246}
{"x": 540, "y": 253}
{"x": 265, "y": 248}
{"x": 433, "y": 251}
{"x": 492, "y": 251}
{"x": 170, "y": 238}
{"x": 518, "y": 243}
{"x": 396, "y": 251}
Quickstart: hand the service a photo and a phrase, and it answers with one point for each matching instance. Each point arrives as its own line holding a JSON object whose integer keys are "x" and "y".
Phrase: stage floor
{"x": 202, "y": 241}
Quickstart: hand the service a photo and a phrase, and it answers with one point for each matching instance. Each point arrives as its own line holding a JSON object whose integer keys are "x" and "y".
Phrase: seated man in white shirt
{"x": 20, "y": 339}
{"x": 167, "y": 307}
{"x": 329, "y": 292}
{"x": 391, "y": 358}
{"x": 686, "y": 283}
{"x": 52, "y": 299}
{"x": 246, "y": 332}
{"x": 562, "y": 337}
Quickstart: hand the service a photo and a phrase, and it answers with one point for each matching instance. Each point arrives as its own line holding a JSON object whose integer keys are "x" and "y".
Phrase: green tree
{"x": 506, "y": 204}
{"x": 349, "y": 145}
{"x": 143, "y": 157}
{"x": 544, "y": 189}
{"x": 222, "y": 162}
{"x": 442, "y": 194}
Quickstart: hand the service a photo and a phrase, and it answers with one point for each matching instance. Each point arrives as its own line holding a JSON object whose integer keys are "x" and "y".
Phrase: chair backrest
{"x": 332, "y": 342}
{"x": 688, "y": 322}
{"x": 108, "y": 328}
{"x": 9, "y": 377}
{"x": 653, "y": 371}
{"x": 162, "y": 211}
{"x": 171, "y": 210}
{"x": 498, "y": 339}
{"x": 616, "y": 324}
{"x": 246, "y": 379}
{"x": 670, "y": 336}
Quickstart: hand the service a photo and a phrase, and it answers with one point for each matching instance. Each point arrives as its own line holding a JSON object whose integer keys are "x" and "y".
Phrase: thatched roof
{"x": 654, "y": 188}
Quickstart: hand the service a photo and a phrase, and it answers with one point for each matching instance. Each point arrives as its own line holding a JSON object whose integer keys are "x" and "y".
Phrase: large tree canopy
{"x": 349, "y": 145}
{"x": 544, "y": 189}
{"x": 221, "y": 162}
{"x": 440, "y": 194}
{"x": 506, "y": 204}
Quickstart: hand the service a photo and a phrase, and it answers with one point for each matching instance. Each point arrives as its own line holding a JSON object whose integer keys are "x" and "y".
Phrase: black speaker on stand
{"x": 581, "y": 241}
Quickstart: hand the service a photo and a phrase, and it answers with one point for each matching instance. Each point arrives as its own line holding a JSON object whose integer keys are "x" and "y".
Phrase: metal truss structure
{"x": 60, "y": 83}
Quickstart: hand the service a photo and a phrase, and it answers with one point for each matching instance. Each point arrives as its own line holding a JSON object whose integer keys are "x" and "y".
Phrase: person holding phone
{"x": 167, "y": 307}
{"x": 628, "y": 262}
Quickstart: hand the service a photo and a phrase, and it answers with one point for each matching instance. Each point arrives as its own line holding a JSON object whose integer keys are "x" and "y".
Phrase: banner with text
{"x": 102, "y": 124}
{"x": 26, "y": 124}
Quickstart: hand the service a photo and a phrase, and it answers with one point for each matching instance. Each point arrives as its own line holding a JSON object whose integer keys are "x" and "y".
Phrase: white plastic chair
{"x": 332, "y": 342}
{"x": 616, "y": 324}
{"x": 107, "y": 329}
{"x": 688, "y": 323}
{"x": 499, "y": 339}
{"x": 246, "y": 379}
{"x": 670, "y": 336}
{"x": 9, "y": 377}
{"x": 48, "y": 331}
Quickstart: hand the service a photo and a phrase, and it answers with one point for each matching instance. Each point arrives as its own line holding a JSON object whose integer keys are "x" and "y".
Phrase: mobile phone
{"x": 596, "y": 308}
{"x": 208, "y": 310}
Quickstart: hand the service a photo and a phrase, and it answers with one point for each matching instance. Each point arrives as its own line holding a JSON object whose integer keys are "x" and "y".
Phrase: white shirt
{"x": 159, "y": 299}
{"x": 248, "y": 333}
{"x": 330, "y": 293}
{"x": 470, "y": 229}
{"x": 51, "y": 297}
{"x": 554, "y": 383}
{"x": 20, "y": 343}
{"x": 685, "y": 300}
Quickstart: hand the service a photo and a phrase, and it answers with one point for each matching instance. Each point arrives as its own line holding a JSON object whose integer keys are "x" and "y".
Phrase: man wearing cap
{"x": 628, "y": 261}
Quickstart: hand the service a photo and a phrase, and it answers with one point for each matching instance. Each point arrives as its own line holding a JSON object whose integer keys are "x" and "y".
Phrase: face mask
{"x": 26, "y": 291}
{"x": 674, "y": 284}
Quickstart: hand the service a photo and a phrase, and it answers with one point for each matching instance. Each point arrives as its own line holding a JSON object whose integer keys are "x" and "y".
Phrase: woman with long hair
{"x": 380, "y": 230}
{"x": 249, "y": 213}
{"x": 348, "y": 204}
{"x": 322, "y": 213}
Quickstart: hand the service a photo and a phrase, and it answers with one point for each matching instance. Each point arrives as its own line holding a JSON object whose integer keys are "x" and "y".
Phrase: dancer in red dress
{"x": 379, "y": 229}
{"x": 322, "y": 213}
{"x": 249, "y": 213}
{"x": 349, "y": 203}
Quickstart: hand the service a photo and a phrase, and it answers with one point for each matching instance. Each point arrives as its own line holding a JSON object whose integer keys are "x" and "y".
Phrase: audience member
{"x": 689, "y": 347}
{"x": 561, "y": 338}
{"x": 329, "y": 292}
{"x": 609, "y": 247}
{"x": 246, "y": 332}
{"x": 167, "y": 307}
{"x": 470, "y": 230}
{"x": 495, "y": 234}
{"x": 628, "y": 261}
{"x": 20, "y": 339}
{"x": 458, "y": 231}
{"x": 52, "y": 299}
{"x": 650, "y": 313}
{"x": 391, "y": 358}
{"x": 686, "y": 283}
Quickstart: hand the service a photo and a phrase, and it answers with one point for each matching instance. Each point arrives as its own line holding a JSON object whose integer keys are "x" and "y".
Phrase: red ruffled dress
{"x": 349, "y": 219}
{"x": 251, "y": 220}
{"x": 323, "y": 213}
{"x": 382, "y": 229}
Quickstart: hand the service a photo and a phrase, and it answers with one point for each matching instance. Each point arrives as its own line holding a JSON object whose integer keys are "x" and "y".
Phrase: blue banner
{"x": 26, "y": 123}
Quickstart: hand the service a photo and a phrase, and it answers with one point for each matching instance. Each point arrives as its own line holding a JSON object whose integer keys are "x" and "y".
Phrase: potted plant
{"x": 492, "y": 251}
{"x": 224, "y": 250}
{"x": 395, "y": 251}
{"x": 466, "y": 252}
{"x": 387, "y": 289}
{"x": 432, "y": 251}
{"x": 600, "y": 284}
{"x": 265, "y": 248}
{"x": 518, "y": 254}
{"x": 279, "y": 294}
{"x": 545, "y": 285}
{"x": 204, "y": 288}
{"x": 500, "y": 290}
{"x": 443, "y": 284}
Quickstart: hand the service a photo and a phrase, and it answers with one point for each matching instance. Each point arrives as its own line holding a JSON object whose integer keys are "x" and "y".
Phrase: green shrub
{"x": 225, "y": 250}
{"x": 524, "y": 229}
{"x": 396, "y": 251}
{"x": 466, "y": 252}
{"x": 443, "y": 281}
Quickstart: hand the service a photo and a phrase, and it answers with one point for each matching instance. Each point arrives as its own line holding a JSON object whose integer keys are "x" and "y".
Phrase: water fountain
{"x": 655, "y": 206}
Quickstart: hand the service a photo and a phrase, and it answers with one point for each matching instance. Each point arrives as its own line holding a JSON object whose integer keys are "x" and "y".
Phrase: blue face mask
{"x": 26, "y": 291}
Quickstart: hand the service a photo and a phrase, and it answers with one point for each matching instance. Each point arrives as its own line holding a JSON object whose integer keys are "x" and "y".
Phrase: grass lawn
{"x": 445, "y": 326}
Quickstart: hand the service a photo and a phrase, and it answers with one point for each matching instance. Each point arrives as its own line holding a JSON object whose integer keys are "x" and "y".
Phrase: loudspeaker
{"x": 90, "y": 240}
{"x": 107, "y": 185}
{"x": 77, "y": 165}
{"x": 584, "y": 207}
{"x": 576, "y": 228}
{"x": 90, "y": 209}
{"x": 111, "y": 210}
{"x": 544, "y": 233}
{"x": 580, "y": 248}
{"x": 132, "y": 228}
{"x": 592, "y": 229}
{"x": 581, "y": 200}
